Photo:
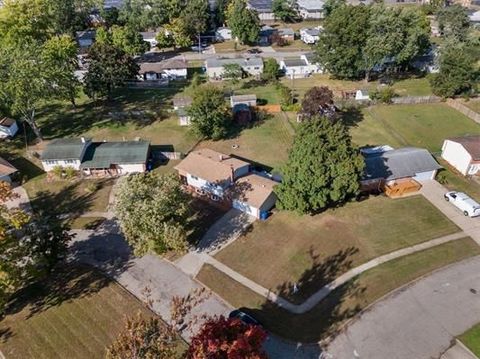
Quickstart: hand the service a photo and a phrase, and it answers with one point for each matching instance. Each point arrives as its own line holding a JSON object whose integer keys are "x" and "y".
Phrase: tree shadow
{"x": 352, "y": 116}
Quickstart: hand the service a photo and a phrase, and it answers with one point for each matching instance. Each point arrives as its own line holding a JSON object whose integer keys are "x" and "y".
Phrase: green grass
{"x": 76, "y": 313}
{"x": 328, "y": 316}
{"x": 455, "y": 181}
{"x": 473, "y": 104}
{"x": 266, "y": 94}
{"x": 424, "y": 125}
{"x": 471, "y": 338}
{"x": 313, "y": 250}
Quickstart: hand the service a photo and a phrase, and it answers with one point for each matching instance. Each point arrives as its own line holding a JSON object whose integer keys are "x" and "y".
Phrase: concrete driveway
{"x": 417, "y": 322}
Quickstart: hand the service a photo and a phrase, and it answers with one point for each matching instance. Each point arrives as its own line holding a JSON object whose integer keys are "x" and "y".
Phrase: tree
{"x": 211, "y": 117}
{"x": 153, "y": 212}
{"x": 196, "y": 15}
{"x": 285, "y": 10}
{"x": 103, "y": 36}
{"x": 323, "y": 168}
{"x": 164, "y": 39}
{"x": 270, "y": 69}
{"x": 220, "y": 12}
{"x": 341, "y": 44}
{"x": 129, "y": 40}
{"x": 68, "y": 16}
{"x": 331, "y": 5}
{"x": 234, "y": 72}
{"x": 221, "y": 338}
{"x": 318, "y": 101}
{"x": 179, "y": 32}
{"x": 109, "y": 67}
{"x": 243, "y": 22}
{"x": 457, "y": 74}
{"x": 453, "y": 21}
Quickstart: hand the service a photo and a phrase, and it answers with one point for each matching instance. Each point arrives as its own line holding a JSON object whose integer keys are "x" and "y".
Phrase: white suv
{"x": 469, "y": 206}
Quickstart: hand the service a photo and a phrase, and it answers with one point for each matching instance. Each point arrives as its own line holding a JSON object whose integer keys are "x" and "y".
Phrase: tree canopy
{"x": 453, "y": 21}
{"x": 243, "y": 22}
{"x": 153, "y": 212}
{"x": 211, "y": 117}
{"x": 323, "y": 168}
{"x": 318, "y": 101}
{"x": 285, "y": 10}
{"x": 271, "y": 69}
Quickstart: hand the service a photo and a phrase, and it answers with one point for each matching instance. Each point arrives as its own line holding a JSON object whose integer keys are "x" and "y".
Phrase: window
{"x": 70, "y": 161}
{"x": 256, "y": 68}
{"x": 51, "y": 162}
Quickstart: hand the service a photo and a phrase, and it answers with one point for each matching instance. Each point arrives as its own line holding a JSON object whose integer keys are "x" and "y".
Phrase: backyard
{"x": 76, "y": 313}
{"x": 327, "y": 318}
{"x": 310, "y": 251}
{"x": 424, "y": 125}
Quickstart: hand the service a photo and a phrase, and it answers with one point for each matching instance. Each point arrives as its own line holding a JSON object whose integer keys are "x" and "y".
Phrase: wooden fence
{"x": 410, "y": 100}
{"x": 457, "y": 105}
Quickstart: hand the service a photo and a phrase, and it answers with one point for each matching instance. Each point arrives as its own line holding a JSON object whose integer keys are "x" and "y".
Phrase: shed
{"x": 8, "y": 127}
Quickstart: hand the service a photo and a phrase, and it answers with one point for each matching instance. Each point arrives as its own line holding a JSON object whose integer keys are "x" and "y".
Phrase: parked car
{"x": 467, "y": 205}
{"x": 254, "y": 51}
{"x": 244, "y": 317}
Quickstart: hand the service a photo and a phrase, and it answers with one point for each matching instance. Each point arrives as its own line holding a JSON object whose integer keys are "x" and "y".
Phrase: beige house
{"x": 253, "y": 194}
{"x": 463, "y": 153}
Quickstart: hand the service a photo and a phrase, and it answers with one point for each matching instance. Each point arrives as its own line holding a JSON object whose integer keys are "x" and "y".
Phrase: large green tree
{"x": 243, "y": 22}
{"x": 458, "y": 73}
{"x": 323, "y": 168}
{"x": 109, "y": 67}
{"x": 129, "y": 40}
{"x": 153, "y": 211}
{"x": 285, "y": 10}
{"x": 211, "y": 117}
{"x": 271, "y": 69}
{"x": 453, "y": 21}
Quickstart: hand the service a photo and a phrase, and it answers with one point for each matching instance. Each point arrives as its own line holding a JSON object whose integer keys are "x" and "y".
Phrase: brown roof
{"x": 471, "y": 144}
{"x": 210, "y": 165}
{"x": 253, "y": 189}
{"x": 7, "y": 122}
{"x": 6, "y": 168}
{"x": 158, "y": 67}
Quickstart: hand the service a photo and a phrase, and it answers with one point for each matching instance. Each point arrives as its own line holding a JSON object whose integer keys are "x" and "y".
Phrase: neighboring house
{"x": 299, "y": 67}
{"x": 266, "y": 35}
{"x": 96, "y": 158}
{"x": 171, "y": 69}
{"x": 463, "y": 153}
{"x": 310, "y": 9}
{"x": 253, "y": 194}
{"x": 86, "y": 38}
{"x": 6, "y": 171}
{"x": 8, "y": 127}
{"x": 115, "y": 158}
{"x": 263, "y": 8}
{"x": 385, "y": 167}
{"x": 475, "y": 18}
{"x": 150, "y": 37}
{"x": 215, "y": 66}
{"x": 249, "y": 100}
{"x": 65, "y": 152}
{"x": 362, "y": 95}
{"x": 286, "y": 34}
{"x": 223, "y": 34}
{"x": 211, "y": 173}
{"x": 310, "y": 36}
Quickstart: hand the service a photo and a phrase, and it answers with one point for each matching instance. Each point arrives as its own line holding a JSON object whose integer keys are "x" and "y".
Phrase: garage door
{"x": 244, "y": 207}
{"x": 424, "y": 176}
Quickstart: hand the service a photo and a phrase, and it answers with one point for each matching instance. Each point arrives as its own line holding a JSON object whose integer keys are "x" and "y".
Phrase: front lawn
{"x": 471, "y": 338}
{"x": 424, "y": 125}
{"x": 313, "y": 250}
{"x": 328, "y": 316}
{"x": 76, "y": 313}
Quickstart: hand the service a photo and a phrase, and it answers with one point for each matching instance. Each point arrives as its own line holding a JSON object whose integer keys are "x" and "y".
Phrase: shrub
{"x": 384, "y": 95}
{"x": 92, "y": 187}
{"x": 58, "y": 171}
{"x": 70, "y": 172}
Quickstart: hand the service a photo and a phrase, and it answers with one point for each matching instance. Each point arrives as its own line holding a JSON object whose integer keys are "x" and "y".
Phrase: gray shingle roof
{"x": 218, "y": 62}
{"x": 295, "y": 62}
{"x": 105, "y": 154}
{"x": 286, "y": 31}
{"x": 310, "y": 5}
{"x": 64, "y": 149}
{"x": 401, "y": 163}
{"x": 261, "y": 5}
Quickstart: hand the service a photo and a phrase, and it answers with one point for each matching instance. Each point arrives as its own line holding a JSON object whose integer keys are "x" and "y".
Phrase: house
{"x": 263, "y": 8}
{"x": 8, "y": 127}
{"x": 86, "y": 38}
{"x": 248, "y": 100}
{"x": 211, "y": 173}
{"x": 6, "y": 171}
{"x": 253, "y": 194}
{"x": 150, "y": 37}
{"x": 287, "y": 34}
{"x": 463, "y": 153}
{"x": 215, "y": 66}
{"x": 115, "y": 158}
{"x": 111, "y": 4}
{"x": 310, "y": 9}
{"x": 312, "y": 62}
{"x": 266, "y": 35}
{"x": 223, "y": 34}
{"x": 386, "y": 169}
{"x": 299, "y": 67}
{"x": 96, "y": 158}
{"x": 310, "y": 36}
{"x": 475, "y": 18}
{"x": 67, "y": 152}
{"x": 171, "y": 69}
{"x": 362, "y": 95}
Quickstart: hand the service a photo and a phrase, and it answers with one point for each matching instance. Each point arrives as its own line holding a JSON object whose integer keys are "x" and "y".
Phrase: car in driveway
{"x": 462, "y": 201}
{"x": 244, "y": 317}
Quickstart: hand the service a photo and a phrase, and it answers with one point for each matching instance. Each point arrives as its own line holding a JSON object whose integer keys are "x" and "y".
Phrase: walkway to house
{"x": 22, "y": 202}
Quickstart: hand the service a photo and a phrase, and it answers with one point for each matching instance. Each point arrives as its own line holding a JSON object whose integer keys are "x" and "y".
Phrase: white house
{"x": 85, "y": 38}
{"x": 215, "y": 66}
{"x": 310, "y": 36}
{"x": 253, "y": 194}
{"x": 171, "y": 69}
{"x": 310, "y": 9}
{"x": 211, "y": 173}
{"x": 150, "y": 37}
{"x": 299, "y": 67}
{"x": 263, "y": 8}
{"x": 463, "y": 153}
{"x": 223, "y": 34}
{"x": 6, "y": 171}
{"x": 8, "y": 127}
{"x": 64, "y": 152}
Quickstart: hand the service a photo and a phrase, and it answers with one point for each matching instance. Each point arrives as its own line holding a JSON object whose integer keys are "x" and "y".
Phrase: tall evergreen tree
{"x": 243, "y": 22}
{"x": 323, "y": 168}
